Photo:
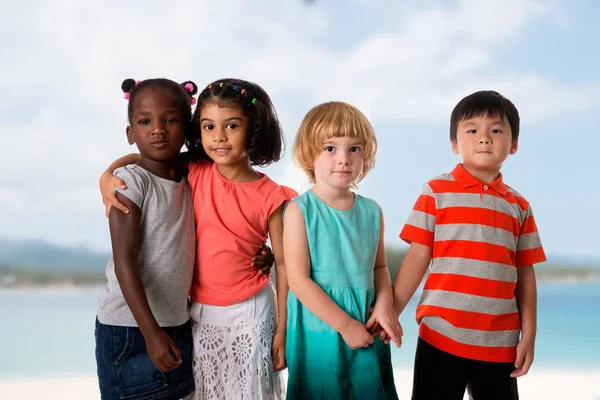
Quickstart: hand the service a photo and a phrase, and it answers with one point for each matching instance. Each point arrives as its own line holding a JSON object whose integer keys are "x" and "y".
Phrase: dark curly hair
{"x": 180, "y": 91}
{"x": 485, "y": 102}
{"x": 265, "y": 138}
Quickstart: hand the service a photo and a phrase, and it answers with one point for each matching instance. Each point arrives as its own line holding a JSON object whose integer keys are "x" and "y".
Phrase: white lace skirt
{"x": 232, "y": 350}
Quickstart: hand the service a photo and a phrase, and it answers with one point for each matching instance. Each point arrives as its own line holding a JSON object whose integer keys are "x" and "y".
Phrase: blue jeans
{"x": 125, "y": 370}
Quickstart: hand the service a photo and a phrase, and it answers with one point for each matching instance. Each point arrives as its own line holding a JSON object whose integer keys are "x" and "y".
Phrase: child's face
{"x": 484, "y": 142}
{"x": 224, "y": 133}
{"x": 340, "y": 163}
{"x": 157, "y": 124}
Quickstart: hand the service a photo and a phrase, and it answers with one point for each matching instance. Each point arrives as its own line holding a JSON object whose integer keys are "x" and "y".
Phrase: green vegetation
{"x": 544, "y": 272}
{"x": 34, "y": 271}
{"x": 28, "y": 277}
{"x": 37, "y": 255}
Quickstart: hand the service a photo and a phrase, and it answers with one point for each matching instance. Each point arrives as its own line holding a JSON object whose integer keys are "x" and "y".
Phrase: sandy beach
{"x": 538, "y": 385}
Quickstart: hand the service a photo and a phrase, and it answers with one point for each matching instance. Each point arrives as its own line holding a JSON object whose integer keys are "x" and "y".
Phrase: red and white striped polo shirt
{"x": 480, "y": 233}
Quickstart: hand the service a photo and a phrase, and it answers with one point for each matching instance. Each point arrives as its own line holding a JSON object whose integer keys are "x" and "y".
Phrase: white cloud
{"x": 64, "y": 61}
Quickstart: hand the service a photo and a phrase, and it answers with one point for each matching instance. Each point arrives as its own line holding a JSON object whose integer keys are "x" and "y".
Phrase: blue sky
{"x": 62, "y": 116}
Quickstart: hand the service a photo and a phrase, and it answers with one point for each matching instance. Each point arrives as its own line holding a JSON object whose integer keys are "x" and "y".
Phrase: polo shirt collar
{"x": 466, "y": 180}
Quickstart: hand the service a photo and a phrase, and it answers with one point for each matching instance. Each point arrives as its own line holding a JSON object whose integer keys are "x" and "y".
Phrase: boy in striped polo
{"x": 477, "y": 313}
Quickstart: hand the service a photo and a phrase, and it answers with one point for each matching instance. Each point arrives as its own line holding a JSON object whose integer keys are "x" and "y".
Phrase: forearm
{"x": 123, "y": 161}
{"x": 282, "y": 294}
{"x": 383, "y": 284}
{"x": 409, "y": 278}
{"x": 135, "y": 295}
{"x": 526, "y": 295}
{"x": 319, "y": 303}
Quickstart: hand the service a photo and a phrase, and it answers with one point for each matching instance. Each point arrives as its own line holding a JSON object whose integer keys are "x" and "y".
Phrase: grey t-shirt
{"x": 167, "y": 250}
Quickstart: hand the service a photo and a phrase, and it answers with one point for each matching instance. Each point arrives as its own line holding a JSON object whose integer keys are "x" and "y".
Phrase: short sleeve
{"x": 529, "y": 245}
{"x": 420, "y": 226}
{"x": 136, "y": 181}
{"x": 194, "y": 168}
{"x": 281, "y": 195}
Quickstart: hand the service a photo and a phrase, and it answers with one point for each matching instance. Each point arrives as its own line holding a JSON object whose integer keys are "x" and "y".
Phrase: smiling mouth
{"x": 221, "y": 151}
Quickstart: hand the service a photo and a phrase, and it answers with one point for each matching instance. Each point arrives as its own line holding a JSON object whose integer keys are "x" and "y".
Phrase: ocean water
{"x": 50, "y": 333}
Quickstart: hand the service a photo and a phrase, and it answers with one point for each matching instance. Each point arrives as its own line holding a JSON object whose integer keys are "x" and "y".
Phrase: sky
{"x": 405, "y": 65}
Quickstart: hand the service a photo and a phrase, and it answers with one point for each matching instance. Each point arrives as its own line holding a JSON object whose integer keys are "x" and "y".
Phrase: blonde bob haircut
{"x": 329, "y": 120}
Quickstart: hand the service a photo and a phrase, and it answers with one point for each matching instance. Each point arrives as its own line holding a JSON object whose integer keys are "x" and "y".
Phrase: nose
{"x": 343, "y": 159}
{"x": 159, "y": 127}
{"x": 218, "y": 135}
{"x": 485, "y": 139}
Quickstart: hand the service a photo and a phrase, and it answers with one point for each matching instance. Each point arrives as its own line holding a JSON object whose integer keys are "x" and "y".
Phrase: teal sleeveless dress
{"x": 342, "y": 246}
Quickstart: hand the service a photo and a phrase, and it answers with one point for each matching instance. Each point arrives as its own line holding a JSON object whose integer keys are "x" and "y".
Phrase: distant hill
{"x": 395, "y": 256}
{"x": 556, "y": 269}
{"x": 37, "y": 255}
{"x": 581, "y": 262}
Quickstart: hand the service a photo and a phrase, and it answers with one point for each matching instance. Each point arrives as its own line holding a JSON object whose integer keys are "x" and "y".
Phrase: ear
{"x": 129, "y": 133}
{"x": 514, "y": 146}
{"x": 454, "y": 144}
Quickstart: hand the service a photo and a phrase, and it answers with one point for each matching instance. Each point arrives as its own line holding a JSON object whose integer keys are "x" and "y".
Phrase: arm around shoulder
{"x": 108, "y": 182}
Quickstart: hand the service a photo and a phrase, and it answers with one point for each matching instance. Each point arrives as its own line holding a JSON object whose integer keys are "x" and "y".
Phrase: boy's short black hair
{"x": 485, "y": 102}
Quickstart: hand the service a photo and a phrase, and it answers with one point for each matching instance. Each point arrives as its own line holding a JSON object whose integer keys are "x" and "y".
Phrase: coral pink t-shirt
{"x": 231, "y": 227}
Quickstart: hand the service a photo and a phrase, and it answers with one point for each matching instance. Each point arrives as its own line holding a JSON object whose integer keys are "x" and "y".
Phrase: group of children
{"x": 189, "y": 309}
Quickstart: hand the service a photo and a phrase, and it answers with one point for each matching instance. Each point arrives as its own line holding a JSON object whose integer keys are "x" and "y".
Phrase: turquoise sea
{"x": 50, "y": 332}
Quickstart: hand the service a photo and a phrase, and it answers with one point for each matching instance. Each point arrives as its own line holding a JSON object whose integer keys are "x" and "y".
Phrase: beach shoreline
{"x": 70, "y": 287}
{"x": 547, "y": 384}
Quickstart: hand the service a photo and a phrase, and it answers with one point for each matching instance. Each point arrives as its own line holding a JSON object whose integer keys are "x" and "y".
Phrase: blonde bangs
{"x": 328, "y": 120}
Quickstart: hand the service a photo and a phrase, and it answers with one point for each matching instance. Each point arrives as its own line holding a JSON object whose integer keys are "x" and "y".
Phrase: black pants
{"x": 443, "y": 376}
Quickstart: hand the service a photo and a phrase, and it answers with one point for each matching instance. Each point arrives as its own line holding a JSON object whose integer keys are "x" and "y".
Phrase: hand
{"x": 384, "y": 319}
{"x": 264, "y": 260}
{"x": 108, "y": 182}
{"x": 278, "y": 351}
{"x": 163, "y": 351}
{"x": 525, "y": 350}
{"x": 355, "y": 335}
{"x": 377, "y": 330}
